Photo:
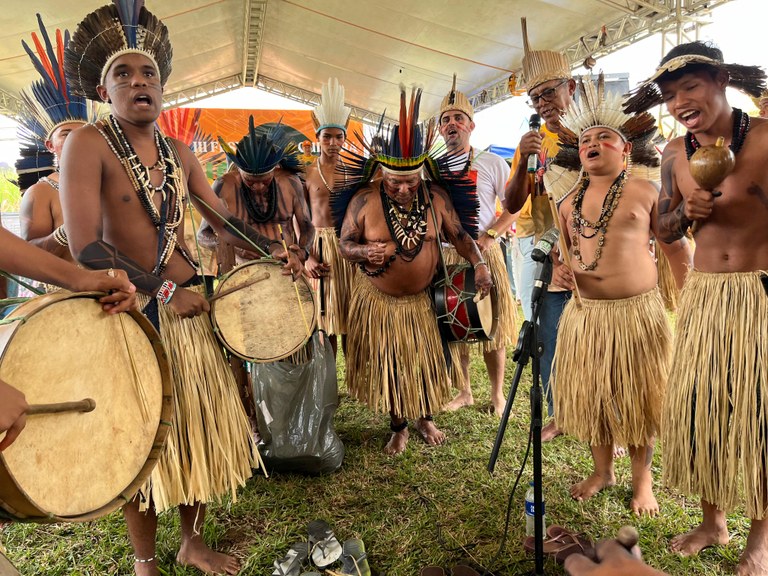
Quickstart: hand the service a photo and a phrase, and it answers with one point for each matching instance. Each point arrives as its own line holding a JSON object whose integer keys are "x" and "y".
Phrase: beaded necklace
{"x": 600, "y": 226}
{"x": 255, "y": 213}
{"x": 320, "y": 170}
{"x": 52, "y": 183}
{"x": 171, "y": 186}
{"x": 739, "y": 134}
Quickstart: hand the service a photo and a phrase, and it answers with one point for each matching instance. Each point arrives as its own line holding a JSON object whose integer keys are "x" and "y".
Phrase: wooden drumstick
{"x": 245, "y": 284}
{"x": 564, "y": 246}
{"x": 628, "y": 537}
{"x": 86, "y": 405}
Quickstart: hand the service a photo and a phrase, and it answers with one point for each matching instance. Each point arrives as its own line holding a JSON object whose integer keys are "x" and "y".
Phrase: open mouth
{"x": 143, "y": 100}
{"x": 689, "y": 116}
{"x": 593, "y": 154}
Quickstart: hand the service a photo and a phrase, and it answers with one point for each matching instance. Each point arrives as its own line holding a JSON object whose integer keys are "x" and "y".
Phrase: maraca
{"x": 709, "y": 166}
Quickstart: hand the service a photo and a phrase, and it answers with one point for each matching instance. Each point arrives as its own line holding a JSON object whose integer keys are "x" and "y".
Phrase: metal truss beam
{"x": 10, "y": 105}
{"x": 641, "y": 19}
{"x": 195, "y": 93}
{"x": 255, "y": 15}
{"x": 311, "y": 99}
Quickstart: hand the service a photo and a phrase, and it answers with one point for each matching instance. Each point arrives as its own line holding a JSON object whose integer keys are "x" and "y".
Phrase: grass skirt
{"x": 611, "y": 364}
{"x": 667, "y": 285}
{"x": 209, "y": 452}
{"x": 336, "y": 287}
{"x": 716, "y": 415}
{"x": 395, "y": 359}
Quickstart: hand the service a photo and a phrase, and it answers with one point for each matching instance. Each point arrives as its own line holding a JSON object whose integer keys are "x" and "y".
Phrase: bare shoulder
{"x": 440, "y": 197}
{"x": 226, "y": 185}
{"x": 39, "y": 191}
{"x": 641, "y": 186}
{"x": 758, "y": 130}
{"x": 87, "y": 137}
{"x": 287, "y": 178}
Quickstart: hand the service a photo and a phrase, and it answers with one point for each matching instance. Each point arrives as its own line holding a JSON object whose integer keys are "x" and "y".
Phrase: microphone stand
{"x": 529, "y": 347}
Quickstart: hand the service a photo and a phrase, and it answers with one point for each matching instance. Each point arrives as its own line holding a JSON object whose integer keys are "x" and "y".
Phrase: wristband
{"x": 166, "y": 291}
{"x": 60, "y": 236}
{"x": 492, "y": 233}
{"x": 480, "y": 263}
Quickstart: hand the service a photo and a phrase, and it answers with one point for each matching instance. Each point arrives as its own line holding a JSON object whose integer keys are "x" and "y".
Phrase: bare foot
{"x": 644, "y": 502}
{"x": 208, "y": 561}
{"x": 619, "y": 451}
{"x": 146, "y": 568}
{"x": 585, "y": 489}
{"x": 396, "y": 444}
{"x": 498, "y": 403}
{"x": 430, "y": 432}
{"x": 754, "y": 559}
{"x": 550, "y": 432}
{"x": 697, "y": 539}
{"x": 463, "y": 398}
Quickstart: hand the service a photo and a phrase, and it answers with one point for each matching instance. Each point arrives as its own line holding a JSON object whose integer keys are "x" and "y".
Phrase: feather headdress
{"x": 405, "y": 148}
{"x": 456, "y": 100}
{"x": 123, "y": 27}
{"x": 260, "y": 152}
{"x": 331, "y": 113}
{"x": 49, "y": 102}
{"x": 541, "y": 66}
{"x": 747, "y": 79}
{"x": 595, "y": 108}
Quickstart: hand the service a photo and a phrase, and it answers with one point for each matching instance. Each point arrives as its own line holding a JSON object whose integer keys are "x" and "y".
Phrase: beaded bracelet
{"x": 480, "y": 263}
{"x": 60, "y": 236}
{"x": 166, "y": 291}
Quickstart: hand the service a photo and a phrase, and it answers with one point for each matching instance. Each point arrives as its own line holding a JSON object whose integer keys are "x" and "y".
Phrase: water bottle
{"x": 530, "y": 511}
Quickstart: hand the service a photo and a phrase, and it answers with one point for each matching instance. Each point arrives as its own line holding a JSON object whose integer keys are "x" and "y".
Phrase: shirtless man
{"x": 19, "y": 257}
{"x": 122, "y": 184}
{"x": 268, "y": 197}
{"x": 713, "y": 433}
{"x": 406, "y": 373}
{"x": 612, "y": 352}
{"x": 334, "y": 273}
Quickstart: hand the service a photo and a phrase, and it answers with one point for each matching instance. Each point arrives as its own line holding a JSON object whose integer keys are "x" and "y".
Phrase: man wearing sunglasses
{"x": 547, "y": 76}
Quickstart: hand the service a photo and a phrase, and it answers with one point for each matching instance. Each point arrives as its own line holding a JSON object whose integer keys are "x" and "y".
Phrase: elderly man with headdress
{"x": 490, "y": 173}
{"x": 613, "y": 348}
{"x": 714, "y": 427}
{"x": 51, "y": 111}
{"x": 332, "y": 274}
{"x": 263, "y": 190}
{"x": 547, "y": 77}
{"x": 391, "y": 215}
{"x": 123, "y": 190}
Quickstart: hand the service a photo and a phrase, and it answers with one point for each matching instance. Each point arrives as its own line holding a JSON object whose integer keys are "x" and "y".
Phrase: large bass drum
{"x": 269, "y": 318}
{"x": 77, "y": 465}
{"x": 459, "y": 317}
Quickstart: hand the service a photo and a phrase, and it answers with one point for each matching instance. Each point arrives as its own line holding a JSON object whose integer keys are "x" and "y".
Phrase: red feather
{"x": 44, "y": 59}
{"x": 60, "y": 56}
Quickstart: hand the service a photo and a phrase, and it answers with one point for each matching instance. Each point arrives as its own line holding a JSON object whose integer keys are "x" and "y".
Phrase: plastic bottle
{"x": 530, "y": 508}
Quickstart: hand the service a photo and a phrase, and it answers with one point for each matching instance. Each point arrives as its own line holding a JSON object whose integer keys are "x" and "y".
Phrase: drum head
{"x": 70, "y": 464}
{"x": 265, "y": 321}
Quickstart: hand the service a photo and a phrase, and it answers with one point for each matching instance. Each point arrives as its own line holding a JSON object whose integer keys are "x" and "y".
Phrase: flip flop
{"x": 464, "y": 570}
{"x": 551, "y": 545}
{"x": 323, "y": 545}
{"x": 290, "y": 564}
{"x": 354, "y": 558}
{"x": 576, "y": 543}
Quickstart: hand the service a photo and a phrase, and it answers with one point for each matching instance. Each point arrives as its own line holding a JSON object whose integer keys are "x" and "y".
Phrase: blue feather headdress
{"x": 260, "y": 152}
{"x": 406, "y": 148}
{"x": 49, "y": 101}
{"x": 123, "y": 27}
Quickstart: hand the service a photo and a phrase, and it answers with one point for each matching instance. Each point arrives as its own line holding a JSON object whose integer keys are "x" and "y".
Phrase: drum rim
{"x": 441, "y": 285}
{"x": 221, "y": 337}
{"x": 31, "y": 511}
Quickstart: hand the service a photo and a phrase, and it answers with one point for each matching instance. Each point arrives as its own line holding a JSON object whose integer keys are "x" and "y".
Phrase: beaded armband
{"x": 166, "y": 291}
{"x": 479, "y": 263}
{"x": 60, "y": 236}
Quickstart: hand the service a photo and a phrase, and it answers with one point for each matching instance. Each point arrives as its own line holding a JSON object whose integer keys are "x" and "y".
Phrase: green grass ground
{"x": 428, "y": 506}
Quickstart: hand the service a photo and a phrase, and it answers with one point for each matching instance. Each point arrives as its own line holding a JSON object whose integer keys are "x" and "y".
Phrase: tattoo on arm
{"x": 672, "y": 220}
{"x": 234, "y": 223}
{"x": 351, "y": 233}
{"x": 101, "y": 256}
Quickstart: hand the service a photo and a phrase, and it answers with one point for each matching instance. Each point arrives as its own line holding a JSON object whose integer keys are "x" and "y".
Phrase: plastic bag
{"x": 295, "y": 405}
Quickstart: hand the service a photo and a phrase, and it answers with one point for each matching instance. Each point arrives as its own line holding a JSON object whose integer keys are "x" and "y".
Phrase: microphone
{"x": 534, "y": 124}
{"x": 545, "y": 245}
{"x": 541, "y": 280}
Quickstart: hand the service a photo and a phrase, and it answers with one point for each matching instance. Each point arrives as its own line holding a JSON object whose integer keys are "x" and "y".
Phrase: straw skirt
{"x": 209, "y": 452}
{"x": 716, "y": 415}
{"x": 395, "y": 359}
{"x": 336, "y": 286}
{"x": 611, "y": 364}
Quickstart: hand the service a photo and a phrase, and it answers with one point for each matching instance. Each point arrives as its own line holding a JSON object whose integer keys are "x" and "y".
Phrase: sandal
{"x": 290, "y": 564}
{"x": 464, "y": 570}
{"x": 354, "y": 558}
{"x": 577, "y": 544}
{"x": 323, "y": 545}
{"x": 432, "y": 571}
